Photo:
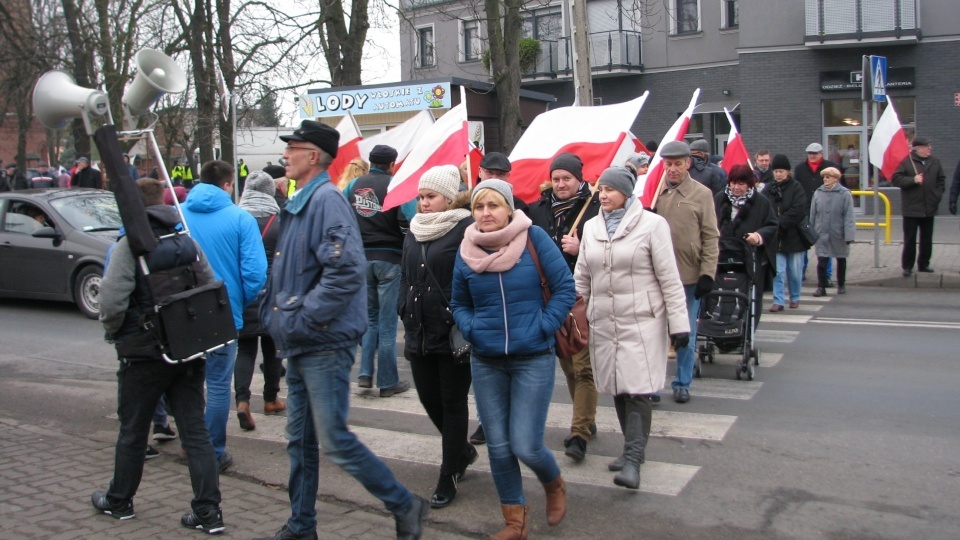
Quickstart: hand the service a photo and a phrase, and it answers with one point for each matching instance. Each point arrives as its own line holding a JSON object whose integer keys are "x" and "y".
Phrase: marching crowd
{"x": 481, "y": 282}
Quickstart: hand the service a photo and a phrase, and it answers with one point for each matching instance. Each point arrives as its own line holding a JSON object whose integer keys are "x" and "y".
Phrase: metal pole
{"x": 236, "y": 150}
{"x": 876, "y": 201}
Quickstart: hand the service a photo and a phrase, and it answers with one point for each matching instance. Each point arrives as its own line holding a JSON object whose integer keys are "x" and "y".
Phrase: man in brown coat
{"x": 688, "y": 207}
{"x": 921, "y": 181}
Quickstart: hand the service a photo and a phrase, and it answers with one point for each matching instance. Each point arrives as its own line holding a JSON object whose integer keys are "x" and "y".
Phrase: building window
{"x": 731, "y": 13}
{"x": 425, "y": 52}
{"x": 470, "y": 47}
{"x": 542, "y": 25}
{"x": 686, "y": 16}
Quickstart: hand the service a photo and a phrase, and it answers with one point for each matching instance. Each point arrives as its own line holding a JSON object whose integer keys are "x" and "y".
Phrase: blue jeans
{"x": 160, "y": 413}
{"x": 383, "y": 286}
{"x": 512, "y": 400}
{"x": 789, "y": 268}
{"x": 219, "y": 376}
{"x": 685, "y": 355}
{"x": 318, "y": 401}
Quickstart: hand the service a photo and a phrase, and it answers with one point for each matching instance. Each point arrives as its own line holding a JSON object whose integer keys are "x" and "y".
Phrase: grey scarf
{"x": 258, "y": 204}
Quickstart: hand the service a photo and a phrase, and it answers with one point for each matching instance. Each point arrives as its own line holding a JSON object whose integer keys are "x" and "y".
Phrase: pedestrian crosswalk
{"x": 689, "y": 423}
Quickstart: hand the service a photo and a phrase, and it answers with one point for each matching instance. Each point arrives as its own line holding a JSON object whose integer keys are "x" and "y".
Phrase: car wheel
{"x": 86, "y": 291}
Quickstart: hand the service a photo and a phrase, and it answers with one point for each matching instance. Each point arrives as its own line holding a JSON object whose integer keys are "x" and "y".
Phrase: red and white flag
{"x": 595, "y": 134}
{"x": 736, "y": 152}
{"x": 350, "y": 138}
{"x": 445, "y": 143}
{"x": 401, "y": 138}
{"x": 888, "y": 146}
{"x": 648, "y": 188}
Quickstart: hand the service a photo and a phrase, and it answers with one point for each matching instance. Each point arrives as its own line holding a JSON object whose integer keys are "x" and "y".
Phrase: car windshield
{"x": 89, "y": 213}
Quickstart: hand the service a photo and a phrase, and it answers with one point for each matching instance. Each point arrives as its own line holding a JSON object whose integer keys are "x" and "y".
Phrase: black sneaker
{"x": 225, "y": 461}
{"x": 364, "y": 382}
{"x": 152, "y": 452}
{"x": 163, "y": 433}
{"x": 211, "y": 521}
{"x": 593, "y": 429}
{"x": 409, "y": 524}
{"x": 681, "y": 395}
{"x": 398, "y": 388}
{"x": 118, "y": 511}
{"x": 576, "y": 448}
{"x": 286, "y": 534}
{"x": 478, "y": 436}
{"x": 655, "y": 398}
{"x": 927, "y": 270}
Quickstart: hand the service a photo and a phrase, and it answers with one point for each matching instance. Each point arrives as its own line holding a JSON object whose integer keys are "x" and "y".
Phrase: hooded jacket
{"x": 708, "y": 174}
{"x": 230, "y": 238}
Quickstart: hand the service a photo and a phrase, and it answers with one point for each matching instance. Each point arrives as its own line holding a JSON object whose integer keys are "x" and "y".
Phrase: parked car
{"x": 53, "y": 243}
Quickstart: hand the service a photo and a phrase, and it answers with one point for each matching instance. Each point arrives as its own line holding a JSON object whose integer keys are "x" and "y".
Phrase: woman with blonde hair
{"x": 499, "y": 306}
{"x": 356, "y": 167}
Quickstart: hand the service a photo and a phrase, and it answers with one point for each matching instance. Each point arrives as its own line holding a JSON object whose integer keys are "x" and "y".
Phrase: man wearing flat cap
{"x": 315, "y": 310}
{"x": 382, "y": 234}
{"x": 703, "y": 171}
{"x": 921, "y": 181}
{"x": 496, "y": 165}
{"x": 688, "y": 207}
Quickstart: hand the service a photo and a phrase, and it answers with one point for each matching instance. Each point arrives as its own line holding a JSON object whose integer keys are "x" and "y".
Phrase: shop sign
{"x": 838, "y": 81}
{"x": 400, "y": 98}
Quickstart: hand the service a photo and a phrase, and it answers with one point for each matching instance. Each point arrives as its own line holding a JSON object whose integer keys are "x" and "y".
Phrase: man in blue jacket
{"x": 315, "y": 310}
{"x": 230, "y": 238}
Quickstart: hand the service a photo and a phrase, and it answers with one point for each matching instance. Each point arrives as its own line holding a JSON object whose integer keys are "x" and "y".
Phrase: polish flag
{"x": 401, "y": 138}
{"x": 630, "y": 145}
{"x": 445, "y": 143}
{"x": 736, "y": 152}
{"x": 350, "y": 138}
{"x": 888, "y": 146}
{"x": 595, "y": 134}
{"x": 649, "y": 188}
{"x": 474, "y": 157}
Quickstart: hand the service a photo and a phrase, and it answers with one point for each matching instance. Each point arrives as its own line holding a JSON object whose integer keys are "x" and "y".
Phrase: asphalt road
{"x": 848, "y": 431}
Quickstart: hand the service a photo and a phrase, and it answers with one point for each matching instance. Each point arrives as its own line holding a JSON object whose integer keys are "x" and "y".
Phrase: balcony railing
{"x": 832, "y": 21}
{"x": 612, "y": 51}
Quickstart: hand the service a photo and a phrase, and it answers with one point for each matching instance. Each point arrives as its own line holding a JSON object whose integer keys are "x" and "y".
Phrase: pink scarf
{"x": 507, "y": 245}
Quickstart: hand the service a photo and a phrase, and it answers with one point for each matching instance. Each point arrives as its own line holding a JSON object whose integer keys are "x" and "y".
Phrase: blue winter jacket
{"x": 316, "y": 299}
{"x": 502, "y": 313}
{"x": 230, "y": 238}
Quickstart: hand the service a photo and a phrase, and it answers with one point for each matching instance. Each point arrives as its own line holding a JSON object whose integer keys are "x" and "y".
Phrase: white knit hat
{"x": 444, "y": 179}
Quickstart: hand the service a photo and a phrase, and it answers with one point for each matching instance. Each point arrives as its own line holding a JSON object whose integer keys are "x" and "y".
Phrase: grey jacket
{"x": 831, "y": 215}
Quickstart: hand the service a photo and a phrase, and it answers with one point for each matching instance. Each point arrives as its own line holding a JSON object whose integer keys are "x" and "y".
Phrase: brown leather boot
{"x": 515, "y": 518}
{"x": 244, "y": 416}
{"x": 273, "y": 407}
{"x": 556, "y": 500}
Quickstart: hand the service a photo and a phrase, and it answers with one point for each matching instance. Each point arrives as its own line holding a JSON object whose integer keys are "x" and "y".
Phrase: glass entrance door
{"x": 843, "y": 147}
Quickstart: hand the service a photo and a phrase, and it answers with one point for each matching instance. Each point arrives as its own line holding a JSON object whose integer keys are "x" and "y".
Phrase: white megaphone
{"x": 57, "y": 99}
{"x": 157, "y": 74}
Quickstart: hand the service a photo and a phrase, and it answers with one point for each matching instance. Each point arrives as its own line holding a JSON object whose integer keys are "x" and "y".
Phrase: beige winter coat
{"x": 632, "y": 288}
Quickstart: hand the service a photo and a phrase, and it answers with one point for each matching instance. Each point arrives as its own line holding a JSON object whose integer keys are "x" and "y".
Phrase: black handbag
{"x": 459, "y": 346}
{"x": 808, "y": 236}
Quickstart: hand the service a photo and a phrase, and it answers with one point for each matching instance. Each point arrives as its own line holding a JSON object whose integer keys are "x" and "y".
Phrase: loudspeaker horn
{"x": 57, "y": 99}
{"x": 157, "y": 74}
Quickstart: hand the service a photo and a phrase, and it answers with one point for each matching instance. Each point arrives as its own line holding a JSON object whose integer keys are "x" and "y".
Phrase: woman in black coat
{"x": 426, "y": 274}
{"x": 743, "y": 213}
{"x": 790, "y": 205}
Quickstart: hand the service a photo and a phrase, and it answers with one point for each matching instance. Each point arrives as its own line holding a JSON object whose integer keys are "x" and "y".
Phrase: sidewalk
{"x": 46, "y": 479}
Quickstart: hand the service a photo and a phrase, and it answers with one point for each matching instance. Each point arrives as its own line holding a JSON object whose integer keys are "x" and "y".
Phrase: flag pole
{"x": 355, "y": 125}
{"x": 463, "y": 99}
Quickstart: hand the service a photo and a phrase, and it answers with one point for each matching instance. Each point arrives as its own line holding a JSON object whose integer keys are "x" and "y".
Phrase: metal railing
{"x": 615, "y": 49}
{"x": 845, "y": 19}
{"x": 886, "y": 211}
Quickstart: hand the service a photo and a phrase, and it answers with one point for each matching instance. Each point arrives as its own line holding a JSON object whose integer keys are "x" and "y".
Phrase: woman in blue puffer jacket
{"x": 498, "y": 305}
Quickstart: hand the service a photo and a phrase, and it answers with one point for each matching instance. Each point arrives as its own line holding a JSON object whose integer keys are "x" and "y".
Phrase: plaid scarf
{"x": 561, "y": 208}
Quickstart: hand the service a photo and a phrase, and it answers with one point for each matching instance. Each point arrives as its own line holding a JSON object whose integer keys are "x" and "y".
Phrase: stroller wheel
{"x": 739, "y": 373}
{"x": 756, "y": 356}
{"x": 697, "y": 368}
{"x": 751, "y": 371}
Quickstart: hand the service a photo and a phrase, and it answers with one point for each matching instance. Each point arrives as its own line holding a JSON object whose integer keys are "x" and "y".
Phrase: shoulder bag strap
{"x": 267, "y": 227}
{"x": 423, "y": 253}
{"x": 544, "y": 288}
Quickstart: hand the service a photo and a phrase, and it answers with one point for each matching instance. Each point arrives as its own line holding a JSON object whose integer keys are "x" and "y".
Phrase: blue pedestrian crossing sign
{"x": 878, "y": 77}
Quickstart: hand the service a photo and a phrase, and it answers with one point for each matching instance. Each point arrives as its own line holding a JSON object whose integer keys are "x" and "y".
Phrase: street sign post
{"x": 878, "y": 78}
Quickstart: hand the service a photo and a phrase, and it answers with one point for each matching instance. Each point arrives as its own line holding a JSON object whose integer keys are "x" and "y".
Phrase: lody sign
{"x": 361, "y": 100}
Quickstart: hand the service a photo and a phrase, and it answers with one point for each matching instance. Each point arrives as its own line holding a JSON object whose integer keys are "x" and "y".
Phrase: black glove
{"x": 680, "y": 340}
{"x": 953, "y": 208}
{"x": 704, "y": 285}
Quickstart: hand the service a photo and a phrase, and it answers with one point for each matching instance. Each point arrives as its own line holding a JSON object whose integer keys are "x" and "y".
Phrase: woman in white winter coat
{"x": 627, "y": 273}
{"x": 831, "y": 215}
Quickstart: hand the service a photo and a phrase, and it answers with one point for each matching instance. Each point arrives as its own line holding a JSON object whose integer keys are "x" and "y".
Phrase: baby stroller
{"x": 726, "y": 317}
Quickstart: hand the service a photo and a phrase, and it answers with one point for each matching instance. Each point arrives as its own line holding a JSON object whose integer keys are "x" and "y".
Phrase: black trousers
{"x": 139, "y": 386}
{"x": 443, "y": 386}
{"x": 822, "y": 278}
{"x": 910, "y": 227}
{"x": 247, "y": 358}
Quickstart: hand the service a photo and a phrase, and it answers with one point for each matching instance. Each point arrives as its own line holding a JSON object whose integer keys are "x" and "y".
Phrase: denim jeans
{"x": 383, "y": 286}
{"x": 685, "y": 355}
{"x": 512, "y": 400}
{"x": 160, "y": 413}
{"x": 788, "y": 268}
{"x": 318, "y": 401}
{"x": 139, "y": 387}
{"x": 219, "y": 376}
